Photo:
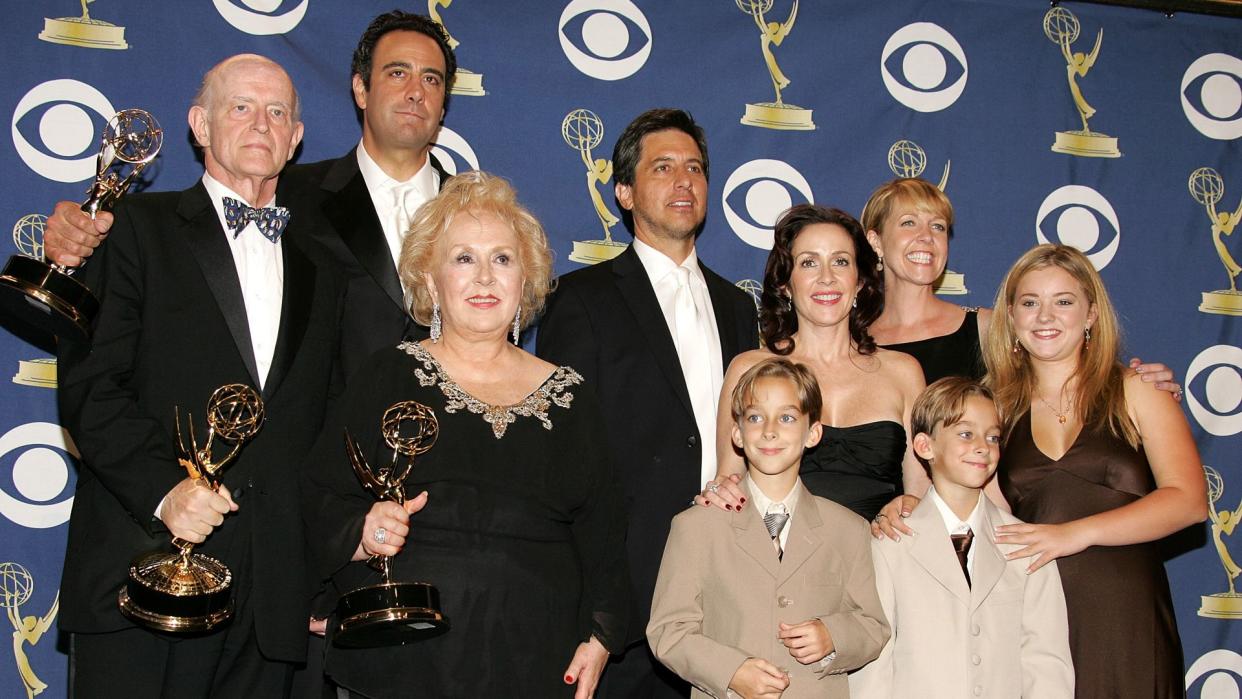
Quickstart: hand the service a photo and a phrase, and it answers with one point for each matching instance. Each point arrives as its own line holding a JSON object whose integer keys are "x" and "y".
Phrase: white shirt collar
{"x": 762, "y": 504}
{"x": 660, "y": 267}
{"x": 951, "y": 522}
{"x": 424, "y": 181}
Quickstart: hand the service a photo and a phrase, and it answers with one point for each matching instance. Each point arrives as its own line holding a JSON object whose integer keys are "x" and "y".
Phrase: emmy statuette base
{"x": 40, "y": 373}
{"x": 1227, "y": 303}
{"x": 88, "y": 33}
{"x": 784, "y": 117}
{"x": 951, "y": 284}
{"x": 1221, "y": 606}
{"x": 163, "y": 592}
{"x": 1086, "y": 143}
{"x": 43, "y": 297}
{"x": 589, "y": 252}
{"x": 389, "y": 614}
{"x": 468, "y": 83}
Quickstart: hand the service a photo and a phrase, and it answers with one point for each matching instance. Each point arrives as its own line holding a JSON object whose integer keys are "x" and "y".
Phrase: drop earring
{"x": 879, "y": 266}
{"x": 436, "y": 325}
{"x": 517, "y": 326}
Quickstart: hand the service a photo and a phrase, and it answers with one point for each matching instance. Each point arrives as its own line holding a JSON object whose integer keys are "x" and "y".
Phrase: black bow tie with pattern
{"x": 270, "y": 221}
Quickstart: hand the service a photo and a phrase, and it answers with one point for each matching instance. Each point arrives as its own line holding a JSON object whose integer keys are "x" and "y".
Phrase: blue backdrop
{"x": 971, "y": 92}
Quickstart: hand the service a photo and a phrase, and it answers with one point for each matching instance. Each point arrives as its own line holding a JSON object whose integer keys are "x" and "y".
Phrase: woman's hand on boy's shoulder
{"x": 724, "y": 493}
{"x": 891, "y": 521}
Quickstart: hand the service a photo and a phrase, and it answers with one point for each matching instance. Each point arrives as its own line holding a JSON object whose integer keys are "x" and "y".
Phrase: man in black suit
{"x": 357, "y": 205}
{"x": 208, "y": 286}
{"x": 652, "y": 331}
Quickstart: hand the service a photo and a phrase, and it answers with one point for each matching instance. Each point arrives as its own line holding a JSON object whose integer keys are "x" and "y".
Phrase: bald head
{"x": 209, "y": 90}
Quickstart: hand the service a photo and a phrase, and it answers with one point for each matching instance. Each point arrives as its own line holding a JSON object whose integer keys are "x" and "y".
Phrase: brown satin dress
{"x": 1123, "y": 634}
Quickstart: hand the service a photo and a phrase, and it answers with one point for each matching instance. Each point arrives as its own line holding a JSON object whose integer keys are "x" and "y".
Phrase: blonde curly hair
{"x": 474, "y": 193}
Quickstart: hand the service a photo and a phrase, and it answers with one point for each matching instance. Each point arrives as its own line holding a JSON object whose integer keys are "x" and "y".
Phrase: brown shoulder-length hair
{"x": 778, "y": 321}
{"x": 1099, "y": 399}
{"x": 472, "y": 193}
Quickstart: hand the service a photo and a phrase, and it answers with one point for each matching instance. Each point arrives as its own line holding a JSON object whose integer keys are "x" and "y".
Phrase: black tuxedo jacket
{"x": 605, "y": 322}
{"x": 171, "y": 329}
{"x": 331, "y": 197}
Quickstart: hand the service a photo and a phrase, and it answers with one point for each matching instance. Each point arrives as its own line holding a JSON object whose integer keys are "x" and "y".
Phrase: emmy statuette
{"x": 45, "y": 295}
{"x": 582, "y": 131}
{"x": 1062, "y": 28}
{"x": 1228, "y": 604}
{"x": 1208, "y": 187}
{"x": 777, "y": 114}
{"x": 182, "y": 591}
{"x": 465, "y": 82}
{"x": 83, "y": 31}
{"x": 391, "y": 613}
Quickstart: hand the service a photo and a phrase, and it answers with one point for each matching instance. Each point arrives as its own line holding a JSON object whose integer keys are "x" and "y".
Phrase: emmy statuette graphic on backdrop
{"x": 16, "y": 586}
{"x": 182, "y": 591}
{"x": 777, "y": 114}
{"x": 582, "y": 131}
{"x": 1208, "y": 187}
{"x": 83, "y": 31}
{"x": 1062, "y": 28}
{"x": 391, "y": 613}
{"x": 45, "y": 295}
{"x": 1222, "y": 605}
{"x": 465, "y": 82}
{"x": 907, "y": 159}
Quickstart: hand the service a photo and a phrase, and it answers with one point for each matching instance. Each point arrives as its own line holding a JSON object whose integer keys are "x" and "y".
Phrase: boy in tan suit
{"x": 966, "y": 622}
{"x": 778, "y": 600}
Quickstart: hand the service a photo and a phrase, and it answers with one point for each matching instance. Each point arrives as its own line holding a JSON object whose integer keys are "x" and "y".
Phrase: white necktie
{"x": 693, "y": 350}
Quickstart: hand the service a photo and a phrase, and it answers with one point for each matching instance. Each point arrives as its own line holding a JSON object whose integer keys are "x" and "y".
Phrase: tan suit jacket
{"x": 1003, "y": 636}
{"x": 721, "y": 594}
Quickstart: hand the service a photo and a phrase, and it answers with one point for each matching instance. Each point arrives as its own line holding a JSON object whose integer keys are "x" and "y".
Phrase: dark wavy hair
{"x": 398, "y": 21}
{"x": 778, "y": 321}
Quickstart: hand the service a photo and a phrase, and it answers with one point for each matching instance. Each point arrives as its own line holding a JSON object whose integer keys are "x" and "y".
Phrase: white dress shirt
{"x": 973, "y": 523}
{"x": 662, "y": 272}
{"x": 261, "y": 272}
{"x": 396, "y": 202}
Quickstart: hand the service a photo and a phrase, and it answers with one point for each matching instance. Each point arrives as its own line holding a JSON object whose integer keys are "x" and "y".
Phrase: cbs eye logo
{"x": 261, "y": 17}
{"x": 605, "y": 39}
{"x": 757, "y": 193}
{"x": 34, "y": 471}
{"x": 453, "y": 152}
{"x": 924, "y": 67}
{"x": 1214, "y": 389}
{"x": 1220, "y": 671}
{"x": 63, "y": 117}
{"x": 1212, "y": 96}
{"x": 1080, "y": 217}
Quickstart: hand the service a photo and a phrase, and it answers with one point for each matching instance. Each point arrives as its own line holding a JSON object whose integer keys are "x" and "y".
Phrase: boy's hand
{"x": 807, "y": 642}
{"x": 758, "y": 679}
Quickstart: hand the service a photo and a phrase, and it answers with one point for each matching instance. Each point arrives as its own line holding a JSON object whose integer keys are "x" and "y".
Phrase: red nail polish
{"x": 729, "y": 507}
{"x": 569, "y": 679}
{"x": 743, "y": 501}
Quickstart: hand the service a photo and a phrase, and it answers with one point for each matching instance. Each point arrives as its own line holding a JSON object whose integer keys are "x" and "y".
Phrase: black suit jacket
{"x": 331, "y": 197}
{"x": 171, "y": 329}
{"x": 605, "y": 322}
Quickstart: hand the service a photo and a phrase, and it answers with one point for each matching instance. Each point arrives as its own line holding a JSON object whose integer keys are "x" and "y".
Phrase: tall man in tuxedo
{"x": 652, "y": 331}
{"x": 208, "y": 286}
{"x": 358, "y": 205}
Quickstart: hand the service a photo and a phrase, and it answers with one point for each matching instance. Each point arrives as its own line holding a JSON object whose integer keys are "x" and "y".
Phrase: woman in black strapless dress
{"x": 821, "y": 290}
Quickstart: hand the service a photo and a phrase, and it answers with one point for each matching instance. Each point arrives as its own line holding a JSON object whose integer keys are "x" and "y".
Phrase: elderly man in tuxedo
{"x": 208, "y": 286}
{"x": 652, "y": 331}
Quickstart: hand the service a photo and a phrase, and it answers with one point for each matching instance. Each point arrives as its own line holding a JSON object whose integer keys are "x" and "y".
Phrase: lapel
{"x": 635, "y": 287}
{"x": 932, "y": 550}
{"x": 752, "y": 537}
{"x": 295, "y": 309}
{"x": 347, "y": 206}
{"x": 203, "y": 234}
{"x": 722, "y": 307}
{"x": 989, "y": 563}
{"x": 804, "y": 535}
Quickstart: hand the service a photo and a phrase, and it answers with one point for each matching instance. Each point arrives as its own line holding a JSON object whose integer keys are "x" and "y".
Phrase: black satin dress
{"x": 955, "y": 354}
{"x": 858, "y": 467}
{"x": 1123, "y": 633}
{"x": 523, "y": 533}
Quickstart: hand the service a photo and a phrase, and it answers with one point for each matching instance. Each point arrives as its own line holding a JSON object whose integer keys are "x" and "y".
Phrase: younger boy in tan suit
{"x": 778, "y": 600}
{"x": 966, "y": 622}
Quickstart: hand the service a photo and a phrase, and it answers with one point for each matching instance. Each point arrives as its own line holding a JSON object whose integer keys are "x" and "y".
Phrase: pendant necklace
{"x": 1062, "y": 415}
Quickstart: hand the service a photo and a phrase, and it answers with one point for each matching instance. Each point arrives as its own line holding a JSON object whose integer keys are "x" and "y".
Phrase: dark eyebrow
{"x": 408, "y": 66}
